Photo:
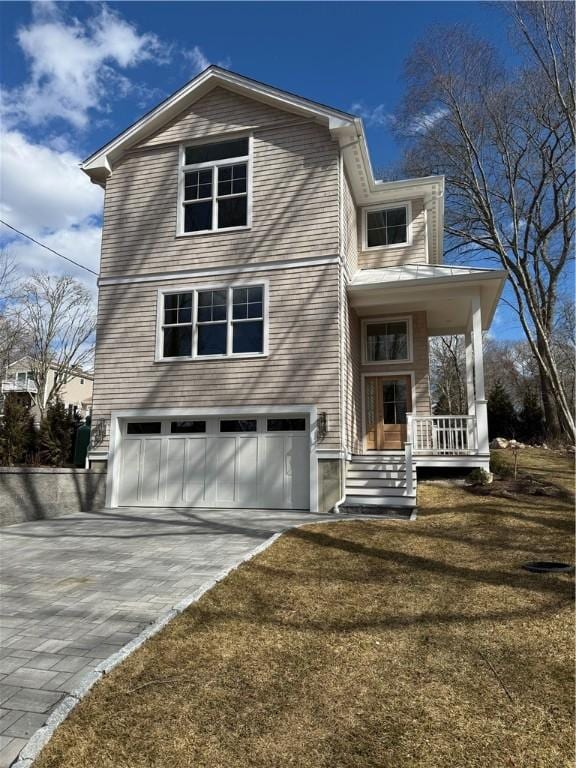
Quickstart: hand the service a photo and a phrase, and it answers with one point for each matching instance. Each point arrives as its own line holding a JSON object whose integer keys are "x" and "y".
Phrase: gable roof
{"x": 346, "y": 128}
{"x": 77, "y": 373}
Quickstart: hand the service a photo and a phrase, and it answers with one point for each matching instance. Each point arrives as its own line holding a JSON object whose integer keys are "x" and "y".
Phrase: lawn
{"x": 550, "y": 466}
{"x": 371, "y": 643}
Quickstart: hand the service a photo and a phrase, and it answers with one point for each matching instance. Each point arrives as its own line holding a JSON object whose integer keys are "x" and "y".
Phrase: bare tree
{"x": 504, "y": 140}
{"x": 58, "y": 315}
{"x": 448, "y": 374}
{"x": 13, "y": 341}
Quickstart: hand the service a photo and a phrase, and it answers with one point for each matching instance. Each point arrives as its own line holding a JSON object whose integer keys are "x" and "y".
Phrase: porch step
{"x": 387, "y": 490}
{"x": 376, "y": 458}
{"x": 375, "y": 482}
{"x": 373, "y": 466}
{"x": 376, "y": 474}
{"x": 381, "y": 501}
{"x": 380, "y": 480}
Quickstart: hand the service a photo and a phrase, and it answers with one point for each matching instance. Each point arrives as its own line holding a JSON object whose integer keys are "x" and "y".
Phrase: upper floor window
{"x": 214, "y": 186}
{"x": 387, "y": 340}
{"x": 387, "y": 226}
{"x": 216, "y": 322}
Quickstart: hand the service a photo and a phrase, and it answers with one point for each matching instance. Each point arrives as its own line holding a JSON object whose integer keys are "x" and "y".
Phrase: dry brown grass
{"x": 550, "y": 466}
{"x": 388, "y": 644}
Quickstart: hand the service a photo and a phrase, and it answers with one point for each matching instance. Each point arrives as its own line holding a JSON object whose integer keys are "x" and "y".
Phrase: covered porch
{"x": 456, "y": 301}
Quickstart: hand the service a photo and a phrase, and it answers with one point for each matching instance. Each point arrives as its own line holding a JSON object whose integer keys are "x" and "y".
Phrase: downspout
{"x": 341, "y": 295}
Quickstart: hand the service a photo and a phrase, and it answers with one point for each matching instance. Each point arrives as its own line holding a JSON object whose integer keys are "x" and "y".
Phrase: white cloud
{"x": 197, "y": 57}
{"x": 200, "y": 61}
{"x": 373, "y": 116}
{"x": 46, "y": 195}
{"x": 427, "y": 120}
{"x": 75, "y": 67}
{"x": 80, "y": 243}
{"x": 42, "y": 188}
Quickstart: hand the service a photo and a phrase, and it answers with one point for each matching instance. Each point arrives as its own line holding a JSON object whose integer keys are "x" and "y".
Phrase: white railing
{"x": 443, "y": 435}
{"x": 19, "y": 386}
{"x": 409, "y": 468}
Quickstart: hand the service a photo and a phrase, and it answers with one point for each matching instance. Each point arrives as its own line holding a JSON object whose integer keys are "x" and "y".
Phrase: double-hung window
{"x": 214, "y": 186}
{"x": 214, "y": 322}
{"x": 386, "y": 227}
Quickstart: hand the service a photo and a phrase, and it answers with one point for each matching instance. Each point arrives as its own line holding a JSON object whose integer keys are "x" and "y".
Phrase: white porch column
{"x": 470, "y": 397}
{"x": 469, "y": 372}
{"x": 481, "y": 410}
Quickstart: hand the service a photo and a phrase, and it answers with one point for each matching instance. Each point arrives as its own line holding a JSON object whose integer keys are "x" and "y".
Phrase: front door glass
{"x": 394, "y": 401}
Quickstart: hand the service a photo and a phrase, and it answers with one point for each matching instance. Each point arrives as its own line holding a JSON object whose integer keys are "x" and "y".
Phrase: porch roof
{"x": 444, "y": 292}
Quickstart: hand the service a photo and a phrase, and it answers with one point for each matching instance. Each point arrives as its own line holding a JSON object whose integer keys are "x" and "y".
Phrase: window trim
{"x": 366, "y": 321}
{"x": 183, "y": 169}
{"x": 228, "y": 287}
{"x": 407, "y": 204}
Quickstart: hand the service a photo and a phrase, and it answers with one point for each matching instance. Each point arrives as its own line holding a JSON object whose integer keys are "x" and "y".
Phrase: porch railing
{"x": 12, "y": 385}
{"x": 443, "y": 435}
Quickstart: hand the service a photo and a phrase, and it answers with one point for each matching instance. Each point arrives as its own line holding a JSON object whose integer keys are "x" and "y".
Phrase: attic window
{"x": 214, "y": 186}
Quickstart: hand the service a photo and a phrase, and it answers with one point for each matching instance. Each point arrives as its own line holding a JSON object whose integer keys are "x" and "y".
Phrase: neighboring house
{"x": 76, "y": 393}
{"x": 265, "y": 308}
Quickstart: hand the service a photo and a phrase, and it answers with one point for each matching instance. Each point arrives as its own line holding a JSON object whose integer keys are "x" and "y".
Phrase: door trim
{"x": 376, "y": 374}
{"x": 157, "y": 414}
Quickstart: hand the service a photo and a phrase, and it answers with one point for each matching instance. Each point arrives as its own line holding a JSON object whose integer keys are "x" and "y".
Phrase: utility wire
{"x": 37, "y": 242}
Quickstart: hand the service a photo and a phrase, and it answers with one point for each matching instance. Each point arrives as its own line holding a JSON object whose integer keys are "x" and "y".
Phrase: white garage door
{"x": 251, "y": 462}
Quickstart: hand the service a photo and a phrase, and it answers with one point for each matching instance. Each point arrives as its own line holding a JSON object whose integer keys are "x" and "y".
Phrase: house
{"x": 265, "y": 309}
{"x": 75, "y": 393}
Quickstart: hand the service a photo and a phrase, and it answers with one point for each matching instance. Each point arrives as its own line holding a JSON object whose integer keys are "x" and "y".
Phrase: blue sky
{"x": 76, "y": 74}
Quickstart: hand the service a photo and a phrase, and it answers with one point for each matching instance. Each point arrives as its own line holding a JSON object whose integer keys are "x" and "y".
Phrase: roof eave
{"x": 99, "y": 165}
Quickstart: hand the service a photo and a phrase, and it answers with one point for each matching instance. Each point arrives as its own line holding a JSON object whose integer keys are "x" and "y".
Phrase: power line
{"x": 37, "y": 242}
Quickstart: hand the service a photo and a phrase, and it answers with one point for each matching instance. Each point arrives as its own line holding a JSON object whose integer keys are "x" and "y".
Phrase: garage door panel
{"x": 298, "y": 462}
{"x": 272, "y": 472}
{"x": 174, "y": 470}
{"x": 246, "y": 493}
{"x": 151, "y": 474}
{"x": 225, "y": 470}
{"x": 195, "y": 474}
{"x": 130, "y": 472}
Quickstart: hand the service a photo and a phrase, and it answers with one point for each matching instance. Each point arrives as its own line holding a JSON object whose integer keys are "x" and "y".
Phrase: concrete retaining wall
{"x": 39, "y": 493}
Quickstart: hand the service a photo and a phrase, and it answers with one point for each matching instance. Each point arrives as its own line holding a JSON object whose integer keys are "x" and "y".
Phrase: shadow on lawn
{"x": 404, "y": 560}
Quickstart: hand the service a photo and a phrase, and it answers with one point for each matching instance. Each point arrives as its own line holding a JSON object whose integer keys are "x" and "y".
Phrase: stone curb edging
{"x": 41, "y": 737}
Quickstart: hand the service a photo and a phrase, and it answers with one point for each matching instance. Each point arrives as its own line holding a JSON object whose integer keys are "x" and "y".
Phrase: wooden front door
{"x": 388, "y": 399}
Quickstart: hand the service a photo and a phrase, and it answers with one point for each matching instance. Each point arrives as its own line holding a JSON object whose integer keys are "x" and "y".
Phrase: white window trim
{"x": 182, "y": 169}
{"x": 365, "y": 211}
{"x": 158, "y": 357}
{"x": 410, "y": 342}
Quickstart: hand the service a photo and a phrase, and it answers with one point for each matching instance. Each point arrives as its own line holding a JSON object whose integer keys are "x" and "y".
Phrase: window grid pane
{"x": 198, "y": 185}
{"x": 232, "y": 180}
{"x": 247, "y": 304}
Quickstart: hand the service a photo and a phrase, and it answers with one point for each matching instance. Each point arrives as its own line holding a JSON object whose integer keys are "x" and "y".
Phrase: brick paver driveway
{"x": 76, "y": 589}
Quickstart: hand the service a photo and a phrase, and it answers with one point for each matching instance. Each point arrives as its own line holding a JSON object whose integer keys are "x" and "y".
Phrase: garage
{"x": 258, "y": 462}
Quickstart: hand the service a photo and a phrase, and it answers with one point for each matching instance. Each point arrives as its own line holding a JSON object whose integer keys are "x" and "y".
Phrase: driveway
{"x": 76, "y": 589}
